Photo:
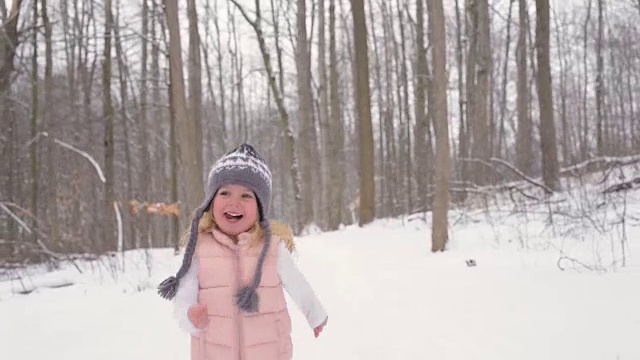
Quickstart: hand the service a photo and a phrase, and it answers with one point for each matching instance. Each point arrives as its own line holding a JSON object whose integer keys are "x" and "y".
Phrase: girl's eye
{"x": 247, "y": 196}
{"x": 224, "y": 193}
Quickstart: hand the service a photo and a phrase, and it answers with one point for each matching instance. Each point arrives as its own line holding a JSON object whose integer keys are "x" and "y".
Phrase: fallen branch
{"x": 627, "y": 185}
{"x": 575, "y": 261}
{"x": 526, "y": 178}
{"x": 16, "y": 218}
{"x": 85, "y": 155}
{"x": 492, "y": 161}
{"x": 42, "y": 246}
{"x": 597, "y": 164}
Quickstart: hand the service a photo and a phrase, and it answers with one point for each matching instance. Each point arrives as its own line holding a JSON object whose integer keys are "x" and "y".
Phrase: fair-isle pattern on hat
{"x": 242, "y": 166}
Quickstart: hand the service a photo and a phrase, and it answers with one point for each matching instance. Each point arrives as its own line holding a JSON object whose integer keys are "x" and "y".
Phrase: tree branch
{"x": 84, "y": 154}
{"x": 245, "y": 15}
{"x": 526, "y": 178}
{"x": 623, "y": 186}
{"x": 531, "y": 181}
{"x": 16, "y": 218}
{"x": 599, "y": 163}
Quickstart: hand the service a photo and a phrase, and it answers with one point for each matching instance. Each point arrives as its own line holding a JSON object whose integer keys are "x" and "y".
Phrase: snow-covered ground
{"x": 387, "y": 295}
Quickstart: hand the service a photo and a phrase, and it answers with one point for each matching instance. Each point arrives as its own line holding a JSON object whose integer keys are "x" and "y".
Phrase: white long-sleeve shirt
{"x": 292, "y": 280}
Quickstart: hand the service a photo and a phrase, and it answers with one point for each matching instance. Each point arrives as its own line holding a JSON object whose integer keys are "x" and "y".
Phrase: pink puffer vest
{"x": 232, "y": 334}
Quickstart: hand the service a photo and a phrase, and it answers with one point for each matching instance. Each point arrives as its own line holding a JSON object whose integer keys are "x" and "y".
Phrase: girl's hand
{"x": 318, "y": 329}
{"x": 198, "y": 316}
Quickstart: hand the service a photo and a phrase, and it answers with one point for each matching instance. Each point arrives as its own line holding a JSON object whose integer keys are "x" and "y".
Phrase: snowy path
{"x": 387, "y": 298}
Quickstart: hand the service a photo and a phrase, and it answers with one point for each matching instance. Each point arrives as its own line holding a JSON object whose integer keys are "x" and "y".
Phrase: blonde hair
{"x": 283, "y": 231}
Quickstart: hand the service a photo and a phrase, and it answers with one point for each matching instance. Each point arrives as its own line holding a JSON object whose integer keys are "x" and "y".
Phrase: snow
{"x": 387, "y": 295}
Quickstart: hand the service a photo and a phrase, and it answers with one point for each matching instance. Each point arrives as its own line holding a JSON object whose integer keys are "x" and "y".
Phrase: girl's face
{"x": 235, "y": 209}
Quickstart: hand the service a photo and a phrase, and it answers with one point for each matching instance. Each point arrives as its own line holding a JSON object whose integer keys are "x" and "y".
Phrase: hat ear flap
{"x": 168, "y": 288}
{"x": 260, "y": 211}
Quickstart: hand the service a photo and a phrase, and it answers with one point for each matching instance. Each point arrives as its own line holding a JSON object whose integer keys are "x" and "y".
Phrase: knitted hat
{"x": 242, "y": 166}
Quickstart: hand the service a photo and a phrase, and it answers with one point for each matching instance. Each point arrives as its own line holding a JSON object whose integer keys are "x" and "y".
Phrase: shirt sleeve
{"x": 299, "y": 289}
{"x": 187, "y": 296}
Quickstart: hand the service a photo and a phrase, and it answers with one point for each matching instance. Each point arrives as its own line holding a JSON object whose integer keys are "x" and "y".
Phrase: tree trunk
{"x": 144, "y": 186}
{"x": 107, "y": 113}
{"x": 221, "y": 82}
{"x": 52, "y": 177}
{"x": 173, "y": 160}
{"x": 466, "y": 146}
{"x": 33, "y": 149}
{"x": 463, "y": 137}
{"x": 550, "y": 166}
{"x": 479, "y": 120}
{"x": 363, "y": 109}
{"x": 305, "y": 116}
{"x": 567, "y": 143}
{"x": 134, "y": 241}
{"x": 160, "y": 230}
{"x": 423, "y": 151}
{"x": 276, "y": 40}
{"x": 600, "y": 141}
{"x": 439, "y": 230}
{"x": 336, "y": 138}
{"x": 323, "y": 115}
{"x": 86, "y": 72}
{"x": 585, "y": 148}
{"x": 524, "y": 135}
{"x": 9, "y": 41}
{"x": 188, "y": 148}
{"x": 386, "y": 153}
{"x": 505, "y": 76}
{"x": 195, "y": 81}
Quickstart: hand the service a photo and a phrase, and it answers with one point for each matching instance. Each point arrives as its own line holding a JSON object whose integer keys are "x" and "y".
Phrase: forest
{"x": 113, "y": 111}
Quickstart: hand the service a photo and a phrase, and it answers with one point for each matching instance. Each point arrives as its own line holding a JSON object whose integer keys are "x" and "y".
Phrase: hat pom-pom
{"x": 167, "y": 289}
{"x": 247, "y": 299}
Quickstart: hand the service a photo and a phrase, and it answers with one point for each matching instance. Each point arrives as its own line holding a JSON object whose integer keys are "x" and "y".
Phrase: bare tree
{"x": 162, "y": 232}
{"x": 305, "y": 115}
{"x": 292, "y": 157}
{"x": 9, "y": 41}
{"x": 35, "y": 166}
{"x": 384, "y": 102}
{"x": 47, "y": 125}
{"x": 195, "y": 79}
{"x": 505, "y": 76}
{"x": 479, "y": 70}
{"x": 336, "y": 132}
{"x": 188, "y": 147}
{"x": 144, "y": 186}
{"x": 584, "y": 148}
{"x": 108, "y": 115}
{"x": 221, "y": 81}
{"x": 323, "y": 111}
{"x": 423, "y": 148}
{"x": 397, "y": 137}
{"x": 133, "y": 239}
{"x": 463, "y": 128}
{"x": 467, "y": 130}
{"x": 600, "y": 141}
{"x": 550, "y": 167}
{"x": 524, "y": 134}
{"x": 437, "y": 37}
{"x": 363, "y": 107}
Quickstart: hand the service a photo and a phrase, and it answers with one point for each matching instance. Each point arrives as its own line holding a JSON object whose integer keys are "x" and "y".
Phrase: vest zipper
{"x": 238, "y": 311}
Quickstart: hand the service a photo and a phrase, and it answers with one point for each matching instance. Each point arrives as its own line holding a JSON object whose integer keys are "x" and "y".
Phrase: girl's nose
{"x": 234, "y": 200}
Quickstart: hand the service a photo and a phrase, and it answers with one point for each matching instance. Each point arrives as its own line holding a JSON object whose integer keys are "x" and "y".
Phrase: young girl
{"x": 228, "y": 293}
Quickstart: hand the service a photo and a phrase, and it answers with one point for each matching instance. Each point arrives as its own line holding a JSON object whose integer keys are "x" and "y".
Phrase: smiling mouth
{"x": 233, "y": 216}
